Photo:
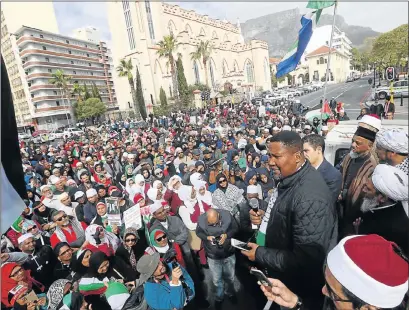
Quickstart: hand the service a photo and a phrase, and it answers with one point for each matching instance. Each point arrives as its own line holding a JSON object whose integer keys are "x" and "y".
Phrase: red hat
{"x": 112, "y": 189}
{"x": 137, "y": 198}
{"x": 371, "y": 269}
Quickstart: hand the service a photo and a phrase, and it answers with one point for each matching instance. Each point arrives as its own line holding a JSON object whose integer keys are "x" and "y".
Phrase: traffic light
{"x": 390, "y": 73}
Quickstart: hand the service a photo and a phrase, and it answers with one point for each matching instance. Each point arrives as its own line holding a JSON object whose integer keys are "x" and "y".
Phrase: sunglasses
{"x": 60, "y": 218}
{"x": 130, "y": 240}
{"x": 161, "y": 238}
{"x": 32, "y": 228}
{"x": 17, "y": 272}
{"x": 222, "y": 181}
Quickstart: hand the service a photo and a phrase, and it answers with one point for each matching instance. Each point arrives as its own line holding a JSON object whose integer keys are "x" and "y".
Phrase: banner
{"x": 113, "y": 211}
{"x": 133, "y": 217}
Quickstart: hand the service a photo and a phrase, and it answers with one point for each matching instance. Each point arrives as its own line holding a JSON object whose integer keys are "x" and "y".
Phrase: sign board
{"x": 113, "y": 211}
{"x": 133, "y": 217}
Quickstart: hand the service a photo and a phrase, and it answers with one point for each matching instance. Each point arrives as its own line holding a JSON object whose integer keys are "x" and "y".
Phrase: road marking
{"x": 306, "y": 104}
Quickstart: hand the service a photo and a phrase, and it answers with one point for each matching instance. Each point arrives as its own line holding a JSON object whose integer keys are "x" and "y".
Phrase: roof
{"x": 274, "y": 61}
{"x": 321, "y": 51}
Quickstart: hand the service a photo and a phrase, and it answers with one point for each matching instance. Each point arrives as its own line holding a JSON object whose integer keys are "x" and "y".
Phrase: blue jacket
{"x": 332, "y": 177}
{"x": 162, "y": 296}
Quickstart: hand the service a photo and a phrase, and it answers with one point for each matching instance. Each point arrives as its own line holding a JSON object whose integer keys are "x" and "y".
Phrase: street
{"x": 351, "y": 94}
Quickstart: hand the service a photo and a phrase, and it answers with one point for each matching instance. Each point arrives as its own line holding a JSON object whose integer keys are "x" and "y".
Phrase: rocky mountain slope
{"x": 279, "y": 30}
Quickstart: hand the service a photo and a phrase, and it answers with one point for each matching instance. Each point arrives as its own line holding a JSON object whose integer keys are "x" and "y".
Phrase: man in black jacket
{"x": 216, "y": 228}
{"x": 314, "y": 148}
{"x": 299, "y": 226}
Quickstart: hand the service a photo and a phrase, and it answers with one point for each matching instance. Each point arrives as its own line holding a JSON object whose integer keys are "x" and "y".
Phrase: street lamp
{"x": 374, "y": 74}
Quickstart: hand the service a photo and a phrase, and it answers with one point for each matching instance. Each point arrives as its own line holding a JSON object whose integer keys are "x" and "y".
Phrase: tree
{"x": 90, "y": 108}
{"x": 95, "y": 91}
{"x": 124, "y": 69}
{"x": 182, "y": 83}
{"x": 356, "y": 60}
{"x": 203, "y": 51}
{"x": 87, "y": 95}
{"x": 61, "y": 80}
{"x": 78, "y": 91}
{"x": 139, "y": 96}
{"x": 167, "y": 49}
{"x": 162, "y": 98}
{"x": 275, "y": 81}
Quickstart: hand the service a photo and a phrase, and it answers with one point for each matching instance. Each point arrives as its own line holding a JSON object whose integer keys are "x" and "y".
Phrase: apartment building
{"x": 42, "y": 53}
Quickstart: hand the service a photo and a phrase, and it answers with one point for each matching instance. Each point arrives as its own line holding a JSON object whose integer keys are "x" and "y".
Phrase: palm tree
{"x": 124, "y": 69}
{"x": 203, "y": 51}
{"x": 78, "y": 91}
{"x": 167, "y": 48}
{"x": 61, "y": 80}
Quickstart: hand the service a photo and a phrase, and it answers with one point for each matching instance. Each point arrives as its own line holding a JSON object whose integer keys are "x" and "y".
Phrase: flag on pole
{"x": 320, "y": 4}
{"x": 12, "y": 186}
{"x": 308, "y": 23}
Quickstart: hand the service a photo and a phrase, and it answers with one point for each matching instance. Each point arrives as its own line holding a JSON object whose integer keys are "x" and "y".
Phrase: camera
{"x": 217, "y": 241}
{"x": 170, "y": 260}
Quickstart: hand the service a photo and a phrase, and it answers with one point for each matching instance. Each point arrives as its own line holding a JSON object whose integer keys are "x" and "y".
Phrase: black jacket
{"x": 228, "y": 226}
{"x": 301, "y": 230}
{"x": 332, "y": 177}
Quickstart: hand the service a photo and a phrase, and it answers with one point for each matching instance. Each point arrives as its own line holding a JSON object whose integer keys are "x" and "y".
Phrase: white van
{"x": 338, "y": 140}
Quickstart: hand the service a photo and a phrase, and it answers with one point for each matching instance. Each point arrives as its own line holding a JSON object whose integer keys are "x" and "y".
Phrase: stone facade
{"x": 137, "y": 27}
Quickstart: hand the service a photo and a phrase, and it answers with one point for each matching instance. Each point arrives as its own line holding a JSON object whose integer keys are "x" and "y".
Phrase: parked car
{"x": 400, "y": 89}
{"x": 73, "y": 131}
{"x": 349, "y": 79}
{"x": 42, "y": 136}
{"x": 24, "y": 136}
{"x": 57, "y": 134}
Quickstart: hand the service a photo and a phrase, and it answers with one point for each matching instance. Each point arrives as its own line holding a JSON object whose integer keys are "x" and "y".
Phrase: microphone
{"x": 253, "y": 202}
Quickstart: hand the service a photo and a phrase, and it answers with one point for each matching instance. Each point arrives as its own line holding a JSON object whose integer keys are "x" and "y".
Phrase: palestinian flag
{"x": 325, "y": 110}
{"x": 91, "y": 286}
{"x": 12, "y": 188}
{"x": 116, "y": 293}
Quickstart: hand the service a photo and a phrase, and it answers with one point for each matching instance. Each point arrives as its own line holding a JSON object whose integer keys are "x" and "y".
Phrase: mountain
{"x": 280, "y": 30}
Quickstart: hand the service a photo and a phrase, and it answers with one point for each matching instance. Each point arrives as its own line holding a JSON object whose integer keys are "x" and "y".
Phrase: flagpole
{"x": 329, "y": 59}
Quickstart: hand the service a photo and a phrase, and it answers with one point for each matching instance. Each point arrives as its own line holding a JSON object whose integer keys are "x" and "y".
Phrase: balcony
{"x": 76, "y": 77}
{"x": 22, "y": 41}
{"x": 30, "y": 64}
{"x": 50, "y": 86}
{"x": 50, "y": 53}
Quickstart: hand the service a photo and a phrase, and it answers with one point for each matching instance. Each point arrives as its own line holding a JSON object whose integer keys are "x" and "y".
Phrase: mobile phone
{"x": 261, "y": 277}
{"x": 240, "y": 245}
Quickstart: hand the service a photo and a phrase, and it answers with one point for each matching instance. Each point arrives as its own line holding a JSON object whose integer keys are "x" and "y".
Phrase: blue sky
{"x": 72, "y": 15}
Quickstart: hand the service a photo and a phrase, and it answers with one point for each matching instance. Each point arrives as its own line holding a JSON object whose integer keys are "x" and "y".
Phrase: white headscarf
{"x": 394, "y": 140}
{"x": 132, "y": 190}
{"x": 197, "y": 185}
{"x": 109, "y": 238}
{"x": 156, "y": 183}
{"x": 185, "y": 193}
{"x": 393, "y": 183}
{"x": 172, "y": 180}
{"x": 152, "y": 194}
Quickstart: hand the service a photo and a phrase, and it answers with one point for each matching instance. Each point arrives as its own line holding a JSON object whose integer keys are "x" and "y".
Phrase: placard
{"x": 133, "y": 217}
{"x": 113, "y": 211}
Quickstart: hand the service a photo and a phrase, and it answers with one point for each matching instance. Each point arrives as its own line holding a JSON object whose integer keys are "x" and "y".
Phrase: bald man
{"x": 216, "y": 228}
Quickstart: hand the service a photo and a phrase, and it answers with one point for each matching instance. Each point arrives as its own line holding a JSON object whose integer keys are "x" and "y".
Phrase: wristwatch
{"x": 298, "y": 305}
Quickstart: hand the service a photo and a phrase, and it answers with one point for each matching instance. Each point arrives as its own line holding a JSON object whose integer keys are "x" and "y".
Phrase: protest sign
{"x": 113, "y": 211}
{"x": 133, "y": 218}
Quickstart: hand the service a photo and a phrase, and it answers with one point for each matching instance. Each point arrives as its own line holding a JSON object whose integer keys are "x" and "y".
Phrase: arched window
{"x": 321, "y": 60}
{"x": 171, "y": 27}
{"x": 212, "y": 73}
{"x": 266, "y": 69}
{"x": 225, "y": 68}
{"x": 196, "y": 71}
{"x": 250, "y": 73}
{"x": 189, "y": 31}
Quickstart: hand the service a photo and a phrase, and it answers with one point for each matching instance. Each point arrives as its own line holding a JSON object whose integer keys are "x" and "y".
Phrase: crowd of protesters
{"x": 324, "y": 237}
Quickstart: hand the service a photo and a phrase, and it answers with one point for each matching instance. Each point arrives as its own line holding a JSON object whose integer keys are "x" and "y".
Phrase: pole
{"x": 374, "y": 75}
{"x": 63, "y": 102}
{"x": 329, "y": 58}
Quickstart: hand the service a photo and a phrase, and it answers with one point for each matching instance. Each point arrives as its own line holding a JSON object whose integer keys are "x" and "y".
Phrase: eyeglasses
{"x": 32, "y": 228}
{"x": 130, "y": 240}
{"x": 65, "y": 252}
{"x": 21, "y": 270}
{"x": 161, "y": 238}
{"x": 60, "y": 218}
{"x": 222, "y": 181}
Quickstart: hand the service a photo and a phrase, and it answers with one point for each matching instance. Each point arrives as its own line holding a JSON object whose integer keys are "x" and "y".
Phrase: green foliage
{"x": 201, "y": 87}
{"x": 60, "y": 80}
{"x": 139, "y": 96}
{"x": 167, "y": 49}
{"x": 77, "y": 91}
{"x": 95, "y": 91}
{"x": 203, "y": 51}
{"x": 224, "y": 93}
{"x": 182, "y": 83}
{"x": 89, "y": 108}
{"x": 391, "y": 48}
{"x": 289, "y": 78}
{"x": 125, "y": 69}
{"x": 161, "y": 110}
{"x": 162, "y": 98}
{"x": 131, "y": 114}
{"x": 87, "y": 94}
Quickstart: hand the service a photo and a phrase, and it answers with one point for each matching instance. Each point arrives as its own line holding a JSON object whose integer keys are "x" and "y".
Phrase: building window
{"x": 318, "y": 62}
{"x": 128, "y": 23}
{"x": 69, "y": 52}
{"x": 47, "y": 59}
{"x": 87, "y": 55}
{"x": 57, "y": 103}
{"x": 66, "y": 41}
{"x": 316, "y": 76}
{"x": 212, "y": 74}
{"x": 321, "y": 60}
{"x": 32, "y": 95}
{"x": 55, "y": 92}
{"x": 150, "y": 21}
{"x": 326, "y": 60}
{"x": 92, "y": 73}
{"x": 89, "y": 64}
{"x": 74, "y": 72}
{"x": 72, "y": 62}
{"x": 86, "y": 45}
{"x": 44, "y": 48}
{"x": 49, "y": 70}
{"x": 250, "y": 73}
{"x": 196, "y": 71}
{"x": 41, "y": 36}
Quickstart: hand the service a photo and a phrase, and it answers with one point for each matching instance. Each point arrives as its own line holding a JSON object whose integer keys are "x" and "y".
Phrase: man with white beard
{"x": 356, "y": 168}
{"x": 385, "y": 206}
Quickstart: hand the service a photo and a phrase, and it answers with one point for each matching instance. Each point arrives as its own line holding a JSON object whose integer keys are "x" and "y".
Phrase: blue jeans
{"x": 223, "y": 270}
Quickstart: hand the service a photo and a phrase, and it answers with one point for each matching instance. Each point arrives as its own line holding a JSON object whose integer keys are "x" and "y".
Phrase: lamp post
{"x": 374, "y": 74}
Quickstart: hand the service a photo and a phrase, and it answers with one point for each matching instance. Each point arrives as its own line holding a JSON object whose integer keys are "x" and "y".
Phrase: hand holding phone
{"x": 240, "y": 245}
{"x": 261, "y": 277}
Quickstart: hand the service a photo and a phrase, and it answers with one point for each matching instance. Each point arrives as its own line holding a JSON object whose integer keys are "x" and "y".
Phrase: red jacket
{"x": 71, "y": 237}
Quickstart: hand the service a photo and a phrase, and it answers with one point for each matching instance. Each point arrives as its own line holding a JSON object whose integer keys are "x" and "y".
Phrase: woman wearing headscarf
{"x": 41, "y": 237}
{"x": 80, "y": 263}
{"x": 251, "y": 178}
{"x": 64, "y": 254}
{"x": 147, "y": 176}
{"x": 204, "y": 197}
{"x": 131, "y": 188}
{"x": 13, "y": 274}
{"x": 56, "y": 293}
{"x": 226, "y": 196}
{"x": 97, "y": 281}
{"x": 101, "y": 240}
{"x": 171, "y": 195}
{"x": 266, "y": 182}
{"x": 121, "y": 181}
{"x": 167, "y": 249}
{"x": 141, "y": 185}
{"x": 128, "y": 170}
{"x": 256, "y": 161}
{"x": 42, "y": 215}
{"x": 132, "y": 248}
{"x": 15, "y": 230}
{"x": 182, "y": 170}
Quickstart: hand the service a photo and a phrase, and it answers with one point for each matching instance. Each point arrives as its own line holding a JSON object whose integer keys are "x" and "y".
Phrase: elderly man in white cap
{"x": 361, "y": 272}
{"x": 90, "y": 210}
{"x": 385, "y": 206}
{"x": 392, "y": 148}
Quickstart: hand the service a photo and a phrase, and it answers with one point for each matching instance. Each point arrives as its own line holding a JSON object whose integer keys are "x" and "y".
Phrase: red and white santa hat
{"x": 370, "y": 268}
